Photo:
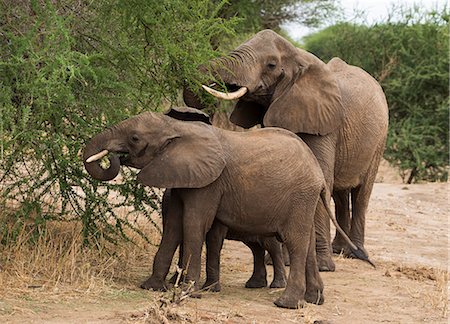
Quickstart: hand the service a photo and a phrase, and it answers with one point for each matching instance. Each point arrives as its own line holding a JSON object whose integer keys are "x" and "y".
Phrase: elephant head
{"x": 279, "y": 85}
{"x": 170, "y": 153}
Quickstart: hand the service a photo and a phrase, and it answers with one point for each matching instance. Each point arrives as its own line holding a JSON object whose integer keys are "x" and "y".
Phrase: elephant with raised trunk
{"x": 264, "y": 182}
{"x": 338, "y": 110}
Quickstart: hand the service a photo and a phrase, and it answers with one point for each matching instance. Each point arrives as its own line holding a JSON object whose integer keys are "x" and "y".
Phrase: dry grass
{"x": 55, "y": 266}
{"x": 56, "y": 260}
{"x": 155, "y": 313}
{"x": 438, "y": 298}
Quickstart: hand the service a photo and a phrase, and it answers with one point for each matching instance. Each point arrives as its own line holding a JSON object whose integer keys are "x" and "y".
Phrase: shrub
{"x": 408, "y": 55}
{"x": 69, "y": 69}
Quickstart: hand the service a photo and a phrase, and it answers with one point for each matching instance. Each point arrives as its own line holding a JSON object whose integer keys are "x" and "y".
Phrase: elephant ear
{"x": 191, "y": 157}
{"x": 247, "y": 114}
{"x": 310, "y": 104}
{"x": 189, "y": 114}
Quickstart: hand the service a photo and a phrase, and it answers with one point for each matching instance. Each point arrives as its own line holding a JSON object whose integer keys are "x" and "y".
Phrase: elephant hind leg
{"x": 287, "y": 262}
{"x": 259, "y": 276}
{"x": 214, "y": 242}
{"x": 276, "y": 251}
{"x": 342, "y": 211}
{"x": 323, "y": 246}
{"x": 293, "y": 296}
{"x": 360, "y": 201}
{"x": 298, "y": 242}
{"x": 314, "y": 283}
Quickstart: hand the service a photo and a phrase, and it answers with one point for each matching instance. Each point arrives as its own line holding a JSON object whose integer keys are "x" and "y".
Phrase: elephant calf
{"x": 263, "y": 182}
{"x": 258, "y": 244}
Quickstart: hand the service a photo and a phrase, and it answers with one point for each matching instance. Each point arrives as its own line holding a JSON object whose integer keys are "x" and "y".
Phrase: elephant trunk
{"x": 236, "y": 71}
{"x": 99, "y": 145}
{"x": 191, "y": 99}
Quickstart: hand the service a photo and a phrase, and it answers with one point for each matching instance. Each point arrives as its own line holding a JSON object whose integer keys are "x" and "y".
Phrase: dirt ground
{"x": 406, "y": 235}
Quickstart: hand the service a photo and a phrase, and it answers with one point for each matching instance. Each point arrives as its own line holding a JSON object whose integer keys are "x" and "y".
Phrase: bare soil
{"x": 406, "y": 235}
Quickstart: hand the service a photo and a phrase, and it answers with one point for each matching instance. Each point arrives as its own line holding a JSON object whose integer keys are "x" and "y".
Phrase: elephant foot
{"x": 278, "y": 283}
{"x": 255, "y": 282}
{"x": 212, "y": 286}
{"x": 338, "y": 246}
{"x": 289, "y": 302}
{"x": 315, "y": 297}
{"x": 154, "y": 284}
{"x": 338, "y": 249}
{"x": 325, "y": 263}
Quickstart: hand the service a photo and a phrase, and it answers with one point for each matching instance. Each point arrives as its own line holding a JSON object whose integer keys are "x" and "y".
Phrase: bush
{"x": 408, "y": 55}
{"x": 69, "y": 69}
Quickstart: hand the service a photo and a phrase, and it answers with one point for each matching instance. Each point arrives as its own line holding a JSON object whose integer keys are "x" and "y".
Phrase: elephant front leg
{"x": 192, "y": 261}
{"x": 214, "y": 242}
{"x": 171, "y": 239}
{"x": 174, "y": 278}
{"x": 161, "y": 263}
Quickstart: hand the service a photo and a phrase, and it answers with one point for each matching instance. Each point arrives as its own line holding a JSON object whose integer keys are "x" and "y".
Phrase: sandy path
{"x": 407, "y": 237}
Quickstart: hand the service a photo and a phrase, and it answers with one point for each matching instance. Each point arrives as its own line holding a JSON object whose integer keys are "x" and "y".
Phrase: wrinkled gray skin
{"x": 338, "y": 110}
{"x": 214, "y": 240}
{"x": 264, "y": 182}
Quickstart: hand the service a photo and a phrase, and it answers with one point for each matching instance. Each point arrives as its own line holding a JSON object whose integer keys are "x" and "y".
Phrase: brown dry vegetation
{"x": 55, "y": 280}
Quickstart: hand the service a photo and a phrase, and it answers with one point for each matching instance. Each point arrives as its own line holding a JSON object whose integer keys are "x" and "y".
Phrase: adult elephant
{"x": 339, "y": 110}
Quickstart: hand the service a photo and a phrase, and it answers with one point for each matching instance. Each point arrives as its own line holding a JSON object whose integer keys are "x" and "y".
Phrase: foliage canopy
{"x": 70, "y": 68}
{"x": 67, "y": 70}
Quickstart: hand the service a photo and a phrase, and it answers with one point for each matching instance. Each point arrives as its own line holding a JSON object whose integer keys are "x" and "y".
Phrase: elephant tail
{"x": 355, "y": 250}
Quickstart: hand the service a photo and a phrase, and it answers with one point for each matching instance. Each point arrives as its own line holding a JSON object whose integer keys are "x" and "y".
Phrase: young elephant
{"x": 263, "y": 182}
{"x": 214, "y": 241}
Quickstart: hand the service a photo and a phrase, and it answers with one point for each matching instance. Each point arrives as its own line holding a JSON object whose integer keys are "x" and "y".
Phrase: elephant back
{"x": 272, "y": 152}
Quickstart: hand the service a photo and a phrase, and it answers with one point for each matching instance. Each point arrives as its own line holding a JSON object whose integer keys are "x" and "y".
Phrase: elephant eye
{"x": 135, "y": 138}
{"x": 271, "y": 65}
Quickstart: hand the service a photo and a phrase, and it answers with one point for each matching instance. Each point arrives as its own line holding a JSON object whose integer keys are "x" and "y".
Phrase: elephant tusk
{"x": 97, "y": 156}
{"x": 226, "y": 96}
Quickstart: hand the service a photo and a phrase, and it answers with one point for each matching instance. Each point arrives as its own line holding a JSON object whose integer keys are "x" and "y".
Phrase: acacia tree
{"x": 68, "y": 70}
{"x": 408, "y": 55}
